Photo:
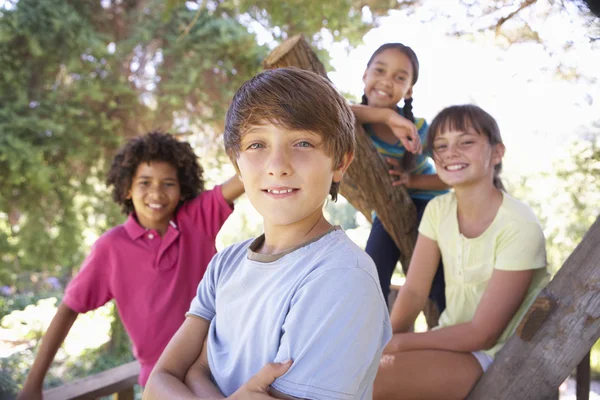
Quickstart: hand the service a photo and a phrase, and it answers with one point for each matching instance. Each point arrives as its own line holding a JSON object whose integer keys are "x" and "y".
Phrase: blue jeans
{"x": 385, "y": 254}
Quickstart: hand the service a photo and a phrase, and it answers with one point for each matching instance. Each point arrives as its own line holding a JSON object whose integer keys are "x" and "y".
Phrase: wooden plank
{"x": 558, "y": 331}
{"x": 105, "y": 383}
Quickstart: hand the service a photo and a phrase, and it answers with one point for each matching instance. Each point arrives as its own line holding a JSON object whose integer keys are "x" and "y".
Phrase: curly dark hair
{"x": 154, "y": 146}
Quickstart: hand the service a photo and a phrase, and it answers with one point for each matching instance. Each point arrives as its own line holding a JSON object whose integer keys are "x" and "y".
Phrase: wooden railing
{"x": 117, "y": 381}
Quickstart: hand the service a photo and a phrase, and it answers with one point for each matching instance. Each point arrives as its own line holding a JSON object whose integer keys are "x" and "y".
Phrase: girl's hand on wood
{"x": 401, "y": 177}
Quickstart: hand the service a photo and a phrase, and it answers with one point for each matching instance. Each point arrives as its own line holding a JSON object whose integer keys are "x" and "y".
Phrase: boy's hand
{"x": 257, "y": 387}
{"x": 406, "y": 132}
{"x": 403, "y": 177}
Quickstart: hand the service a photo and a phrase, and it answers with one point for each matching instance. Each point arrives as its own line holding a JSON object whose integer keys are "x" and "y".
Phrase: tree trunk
{"x": 556, "y": 333}
{"x": 366, "y": 184}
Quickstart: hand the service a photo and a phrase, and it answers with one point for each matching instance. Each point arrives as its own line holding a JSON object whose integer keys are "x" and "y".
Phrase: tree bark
{"x": 367, "y": 184}
{"x": 556, "y": 333}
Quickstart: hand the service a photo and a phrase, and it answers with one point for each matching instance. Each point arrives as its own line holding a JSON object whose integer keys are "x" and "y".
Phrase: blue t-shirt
{"x": 424, "y": 164}
{"x": 319, "y": 305}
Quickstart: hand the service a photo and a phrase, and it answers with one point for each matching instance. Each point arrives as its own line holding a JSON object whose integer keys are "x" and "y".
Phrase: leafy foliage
{"x": 77, "y": 78}
{"x": 577, "y": 196}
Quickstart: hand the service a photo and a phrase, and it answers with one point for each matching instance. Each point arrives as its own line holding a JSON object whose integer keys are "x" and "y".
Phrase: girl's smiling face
{"x": 388, "y": 79}
{"x": 465, "y": 158}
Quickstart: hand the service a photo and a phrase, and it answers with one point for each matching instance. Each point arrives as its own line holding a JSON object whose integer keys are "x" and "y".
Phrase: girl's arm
{"x": 501, "y": 300}
{"x": 418, "y": 181}
{"x": 232, "y": 189}
{"x": 371, "y": 115}
{"x": 413, "y": 295}
{"x": 402, "y": 128}
{"x": 55, "y": 335}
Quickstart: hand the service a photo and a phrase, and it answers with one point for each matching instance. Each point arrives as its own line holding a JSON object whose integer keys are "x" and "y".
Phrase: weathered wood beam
{"x": 557, "y": 332}
{"x": 118, "y": 380}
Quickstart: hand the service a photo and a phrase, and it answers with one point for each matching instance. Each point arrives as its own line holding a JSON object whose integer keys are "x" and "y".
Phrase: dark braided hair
{"x": 408, "y": 160}
{"x": 154, "y": 146}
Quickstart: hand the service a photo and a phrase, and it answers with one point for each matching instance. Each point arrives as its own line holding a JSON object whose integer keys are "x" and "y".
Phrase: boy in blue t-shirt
{"x": 302, "y": 291}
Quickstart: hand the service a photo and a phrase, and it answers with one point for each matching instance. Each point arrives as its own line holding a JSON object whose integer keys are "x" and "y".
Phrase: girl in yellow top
{"x": 493, "y": 250}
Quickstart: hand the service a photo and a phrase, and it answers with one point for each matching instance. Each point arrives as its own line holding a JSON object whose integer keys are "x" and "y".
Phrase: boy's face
{"x": 287, "y": 174}
{"x": 155, "y": 193}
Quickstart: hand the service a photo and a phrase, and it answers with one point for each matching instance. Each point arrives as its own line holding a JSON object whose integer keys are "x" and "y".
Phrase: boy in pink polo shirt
{"x": 152, "y": 264}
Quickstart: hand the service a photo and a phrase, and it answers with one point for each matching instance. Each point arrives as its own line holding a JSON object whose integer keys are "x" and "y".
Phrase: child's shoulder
{"x": 207, "y": 195}
{"x": 518, "y": 211}
{"x": 236, "y": 248}
{"x": 443, "y": 201}
{"x": 232, "y": 254}
{"x": 112, "y": 237}
{"x": 421, "y": 123}
{"x": 339, "y": 261}
{"x": 339, "y": 251}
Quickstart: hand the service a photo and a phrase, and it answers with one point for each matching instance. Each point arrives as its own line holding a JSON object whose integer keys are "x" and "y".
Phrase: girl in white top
{"x": 493, "y": 250}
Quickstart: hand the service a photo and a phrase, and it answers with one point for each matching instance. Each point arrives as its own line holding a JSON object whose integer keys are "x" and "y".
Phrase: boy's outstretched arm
{"x": 232, "y": 189}
{"x": 55, "y": 335}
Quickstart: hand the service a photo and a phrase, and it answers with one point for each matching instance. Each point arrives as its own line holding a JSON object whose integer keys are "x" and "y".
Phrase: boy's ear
{"x": 408, "y": 94}
{"x": 339, "y": 172}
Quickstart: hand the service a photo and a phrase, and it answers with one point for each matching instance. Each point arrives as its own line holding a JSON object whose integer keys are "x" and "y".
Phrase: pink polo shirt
{"x": 152, "y": 278}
